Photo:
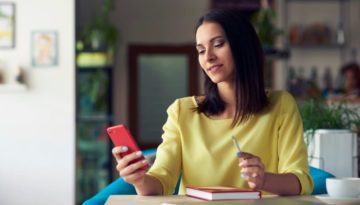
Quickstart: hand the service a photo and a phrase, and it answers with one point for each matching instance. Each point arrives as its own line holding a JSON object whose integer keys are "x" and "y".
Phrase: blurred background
{"x": 125, "y": 61}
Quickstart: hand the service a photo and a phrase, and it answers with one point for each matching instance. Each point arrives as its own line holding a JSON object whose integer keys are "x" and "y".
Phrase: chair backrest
{"x": 319, "y": 177}
{"x": 117, "y": 187}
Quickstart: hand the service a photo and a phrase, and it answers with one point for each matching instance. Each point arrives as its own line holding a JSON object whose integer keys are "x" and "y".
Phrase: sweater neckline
{"x": 195, "y": 102}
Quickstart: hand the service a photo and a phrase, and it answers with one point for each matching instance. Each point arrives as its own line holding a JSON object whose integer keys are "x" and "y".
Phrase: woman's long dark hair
{"x": 249, "y": 68}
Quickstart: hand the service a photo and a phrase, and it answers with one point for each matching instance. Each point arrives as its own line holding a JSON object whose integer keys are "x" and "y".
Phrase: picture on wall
{"x": 44, "y": 48}
{"x": 7, "y": 25}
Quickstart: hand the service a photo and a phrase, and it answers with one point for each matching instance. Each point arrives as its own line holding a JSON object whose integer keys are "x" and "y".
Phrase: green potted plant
{"x": 263, "y": 21}
{"x": 96, "y": 43}
{"x": 100, "y": 33}
{"x": 330, "y": 135}
{"x": 317, "y": 114}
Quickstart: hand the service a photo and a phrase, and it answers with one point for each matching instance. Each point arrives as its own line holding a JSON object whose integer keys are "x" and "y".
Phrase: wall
{"x": 37, "y": 126}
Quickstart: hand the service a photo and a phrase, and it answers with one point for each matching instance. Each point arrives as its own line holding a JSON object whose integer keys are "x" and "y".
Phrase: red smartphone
{"x": 121, "y": 136}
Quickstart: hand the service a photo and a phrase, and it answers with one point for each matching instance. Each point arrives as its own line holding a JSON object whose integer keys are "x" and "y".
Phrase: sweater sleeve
{"x": 292, "y": 150}
{"x": 167, "y": 165}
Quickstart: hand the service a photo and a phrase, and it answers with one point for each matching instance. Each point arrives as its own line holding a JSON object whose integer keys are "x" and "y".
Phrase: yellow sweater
{"x": 200, "y": 149}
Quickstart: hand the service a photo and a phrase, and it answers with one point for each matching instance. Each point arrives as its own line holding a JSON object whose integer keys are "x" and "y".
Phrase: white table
{"x": 183, "y": 200}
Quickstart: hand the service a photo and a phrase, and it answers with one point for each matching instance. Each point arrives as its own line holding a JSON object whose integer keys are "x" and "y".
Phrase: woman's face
{"x": 214, "y": 51}
{"x": 350, "y": 80}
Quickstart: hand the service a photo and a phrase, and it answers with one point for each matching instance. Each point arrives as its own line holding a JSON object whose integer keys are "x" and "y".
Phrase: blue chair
{"x": 120, "y": 187}
{"x": 319, "y": 178}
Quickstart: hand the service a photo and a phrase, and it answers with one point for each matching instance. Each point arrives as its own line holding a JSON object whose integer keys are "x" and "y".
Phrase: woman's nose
{"x": 210, "y": 56}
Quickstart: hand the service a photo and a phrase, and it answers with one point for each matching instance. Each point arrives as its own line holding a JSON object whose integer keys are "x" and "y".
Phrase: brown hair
{"x": 249, "y": 67}
{"x": 355, "y": 69}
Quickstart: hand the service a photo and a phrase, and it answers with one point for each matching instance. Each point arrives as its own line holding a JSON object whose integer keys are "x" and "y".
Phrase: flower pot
{"x": 334, "y": 151}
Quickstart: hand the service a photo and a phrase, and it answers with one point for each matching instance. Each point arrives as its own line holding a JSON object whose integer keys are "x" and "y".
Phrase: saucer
{"x": 336, "y": 200}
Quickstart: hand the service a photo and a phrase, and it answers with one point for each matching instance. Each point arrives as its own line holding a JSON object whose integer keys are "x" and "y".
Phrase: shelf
{"x": 13, "y": 88}
{"x": 319, "y": 46}
{"x": 94, "y": 118}
{"x": 238, "y": 5}
{"x": 93, "y": 148}
{"x": 93, "y": 59}
{"x": 301, "y": 1}
{"x": 93, "y": 68}
{"x": 276, "y": 53}
{"x": 319, "y": 30}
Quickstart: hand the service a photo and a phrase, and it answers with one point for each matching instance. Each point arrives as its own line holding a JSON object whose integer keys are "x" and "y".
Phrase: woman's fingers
{"x": 251, "y": 172}
{"x": 255, "y": 161}
{"x": 130, "y": 169}
{"x": 131, "y": 157}
{"x": 245, "y": 155}
{"x": 126, "y": 160}
{"x": 254, "y": 176}
{"x": 133, "y": 173}
{"x": 255, "y": 183}
{"x": 252, "y": 169}
{"x": 116, "y": 151}
{"x": 135, "y": 177}
{"x": 130, "y": 165}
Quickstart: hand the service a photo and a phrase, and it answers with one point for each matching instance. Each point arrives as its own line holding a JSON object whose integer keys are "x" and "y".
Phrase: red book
{"x": 221, "y": 193}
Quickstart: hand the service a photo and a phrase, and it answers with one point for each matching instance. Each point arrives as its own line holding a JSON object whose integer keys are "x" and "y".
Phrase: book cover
{"x": 221, "y": 193}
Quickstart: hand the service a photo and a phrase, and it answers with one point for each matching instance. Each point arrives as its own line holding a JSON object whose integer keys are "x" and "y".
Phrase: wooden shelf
{"x": 276, "y": 54}
{"x": 93, "y": 59}
{"x": 318, "y": 46}
{"x": 95, "y": 118}
{"x": 12, "y": 88}
{"x": 312, "y": 1}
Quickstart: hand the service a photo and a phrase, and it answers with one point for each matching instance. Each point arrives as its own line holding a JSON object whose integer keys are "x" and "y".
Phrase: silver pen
{"x": 238, "y": 153}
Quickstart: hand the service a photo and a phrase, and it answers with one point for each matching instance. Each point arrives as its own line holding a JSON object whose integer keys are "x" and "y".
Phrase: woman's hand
{"x": 252, "y": 169}
{"x": 132, "y": 173}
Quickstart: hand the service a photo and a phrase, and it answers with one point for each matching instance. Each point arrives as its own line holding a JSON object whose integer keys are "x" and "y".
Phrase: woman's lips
{"x": 214, "y": 68}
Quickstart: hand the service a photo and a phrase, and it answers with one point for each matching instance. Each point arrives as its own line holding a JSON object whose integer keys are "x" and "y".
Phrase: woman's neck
{"x": 228, "y": 95}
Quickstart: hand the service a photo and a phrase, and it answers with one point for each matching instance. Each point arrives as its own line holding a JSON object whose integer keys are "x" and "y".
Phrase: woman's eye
{"x": 201, "y": 51}
{"x": 219, "y": 44}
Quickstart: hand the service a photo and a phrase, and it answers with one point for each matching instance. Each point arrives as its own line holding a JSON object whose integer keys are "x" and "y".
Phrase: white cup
{"x": 343, "y": 187}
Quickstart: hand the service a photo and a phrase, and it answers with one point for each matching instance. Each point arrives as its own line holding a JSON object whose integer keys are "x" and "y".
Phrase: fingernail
{"x": 138, "y": 153}
{"x": 144, "y": 162}
{"x": 124, "y": 148}
{"x": 244, "y": 176}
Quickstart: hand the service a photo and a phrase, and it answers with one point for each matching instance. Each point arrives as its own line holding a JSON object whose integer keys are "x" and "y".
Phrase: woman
{"x": 351, "y": 91}
{"x": 351, "y": 73}
{"x": 197, "y": 134}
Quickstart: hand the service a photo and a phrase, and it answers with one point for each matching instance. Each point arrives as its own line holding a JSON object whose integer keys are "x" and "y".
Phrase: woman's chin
{"x": 215, "y": 80}
{"x": 218, "y": 80}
